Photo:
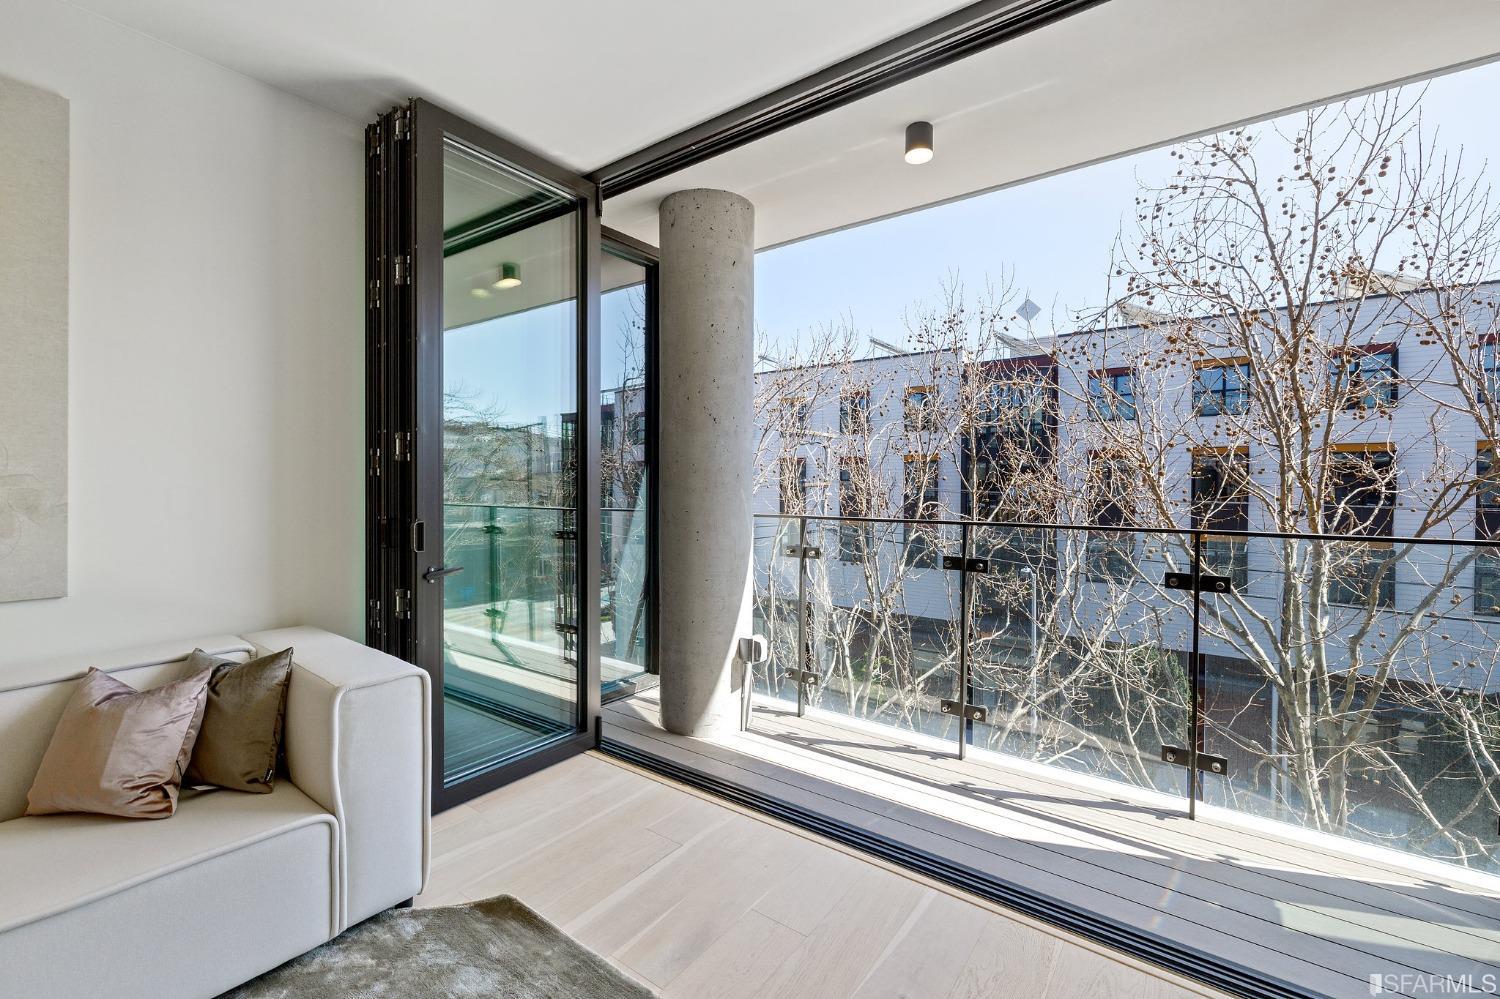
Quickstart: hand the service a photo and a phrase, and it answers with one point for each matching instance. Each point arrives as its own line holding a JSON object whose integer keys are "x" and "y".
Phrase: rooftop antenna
{"x": 889, "y": 348}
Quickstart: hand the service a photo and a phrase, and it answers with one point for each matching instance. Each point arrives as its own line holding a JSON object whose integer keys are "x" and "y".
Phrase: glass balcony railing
{"x": 1346, "y": 685}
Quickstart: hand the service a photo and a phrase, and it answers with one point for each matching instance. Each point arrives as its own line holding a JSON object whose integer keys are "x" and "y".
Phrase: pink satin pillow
{"x": 120, "y": 751}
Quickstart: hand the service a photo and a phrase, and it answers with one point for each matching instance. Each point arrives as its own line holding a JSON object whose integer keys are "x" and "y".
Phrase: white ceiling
{"x": 1118, "y": 77}
{"x": 585, "y": 82}
{"x": 581, "y": 81}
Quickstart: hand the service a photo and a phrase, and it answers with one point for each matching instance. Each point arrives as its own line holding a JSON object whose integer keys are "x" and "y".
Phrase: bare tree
{"x": 1243, "y": 377}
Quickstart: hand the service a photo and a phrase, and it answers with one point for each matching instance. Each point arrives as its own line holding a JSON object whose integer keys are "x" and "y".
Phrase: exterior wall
{"x": 1429, "y": 428}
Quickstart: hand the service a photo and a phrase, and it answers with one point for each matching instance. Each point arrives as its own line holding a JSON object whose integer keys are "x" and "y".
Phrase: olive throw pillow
{"x": 241, "y": 734}
{"x": 119, "y": 751}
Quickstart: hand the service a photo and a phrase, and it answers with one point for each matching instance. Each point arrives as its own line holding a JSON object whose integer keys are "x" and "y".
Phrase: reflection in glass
{"x": 510, "y": 354}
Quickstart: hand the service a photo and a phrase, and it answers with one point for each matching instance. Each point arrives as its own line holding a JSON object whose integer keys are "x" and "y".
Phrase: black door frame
{"x": 648, "y": 257}
{"x": 405, "y": 336}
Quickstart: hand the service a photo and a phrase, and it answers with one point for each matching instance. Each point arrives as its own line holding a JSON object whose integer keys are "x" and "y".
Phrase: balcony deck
{"x": 1310, "y": 910}
{"x": 705, "y": 901}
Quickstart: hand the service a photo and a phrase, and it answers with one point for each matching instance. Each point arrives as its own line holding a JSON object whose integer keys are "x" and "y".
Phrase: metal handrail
{"x": 1213, "y": 532}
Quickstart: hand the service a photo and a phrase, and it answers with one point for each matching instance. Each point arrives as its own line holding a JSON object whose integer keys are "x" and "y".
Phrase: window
{"x": 1487, "y": 581}
{"x": 1363, "y": 378}
{"x": 1221, "y": 501}
{"x": 1112, "y": 394}
{"x": 794, "y": 486}
{"x": 919, "y": 415}
{"x": 1110, "y": 554}
{"x": 606, "y": 428}
{"x": 1489, "y": 363}
{"x": 794, "y": 417}
{"x": 1010, "y": 445}
{"x": 1487, "y": 527}
{"x": 1222, "y": 388}
{"x": 1362, "y": 501}
{"x": 854, "y": 484}
{"x": 1363, "y": 492}
{"x": 854, "y": 412}
{"x": 920, "y": 502}
{"x": 637, "y": 424}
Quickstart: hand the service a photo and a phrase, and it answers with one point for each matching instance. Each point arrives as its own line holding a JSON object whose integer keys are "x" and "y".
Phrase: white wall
{"x": 216, "y": 346}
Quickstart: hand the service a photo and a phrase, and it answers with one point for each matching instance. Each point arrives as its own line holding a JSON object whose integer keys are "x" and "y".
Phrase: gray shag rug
{"x": 495, "y": 948}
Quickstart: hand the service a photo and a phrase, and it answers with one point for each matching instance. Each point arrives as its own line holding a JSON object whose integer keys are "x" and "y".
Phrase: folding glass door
{"x": 485, "y": 427}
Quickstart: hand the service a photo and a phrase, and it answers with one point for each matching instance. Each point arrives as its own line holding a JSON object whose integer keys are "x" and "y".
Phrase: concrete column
{"x": 707, "y": 362}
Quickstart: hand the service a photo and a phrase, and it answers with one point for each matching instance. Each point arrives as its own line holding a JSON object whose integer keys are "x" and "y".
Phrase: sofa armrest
{"x": 358, "y": 743}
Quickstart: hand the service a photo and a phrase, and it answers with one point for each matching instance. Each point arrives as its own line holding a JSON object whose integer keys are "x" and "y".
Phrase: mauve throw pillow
{"x": 241, "y": 733}
{"x": 120, "y": 751}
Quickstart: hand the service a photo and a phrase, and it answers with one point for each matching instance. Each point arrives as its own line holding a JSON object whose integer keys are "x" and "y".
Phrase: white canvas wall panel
{"x": 33, "y": 343}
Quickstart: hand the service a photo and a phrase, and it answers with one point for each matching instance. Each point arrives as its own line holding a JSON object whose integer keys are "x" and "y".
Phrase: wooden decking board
{"x": 944, "y": 838}
{"x": 1201, "y": 872}
{"x": 1401, "y": 892}
{"x": 1173, "y": 841}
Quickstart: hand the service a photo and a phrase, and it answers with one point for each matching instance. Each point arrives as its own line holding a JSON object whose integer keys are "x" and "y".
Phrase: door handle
{"x": 437, "y": 572}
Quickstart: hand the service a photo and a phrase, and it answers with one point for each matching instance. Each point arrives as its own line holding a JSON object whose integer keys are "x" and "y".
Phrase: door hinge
{"x": 401, "y": 124}
{"x": 374, "y": 462}
{"x": 374, "y": 620}
{"x": 372, "y": 140}
{"x": 402, "y": 605}
{"x": 403, "y": 268}
{"x": 1177, "y": 756}
{"x": 401, "y": 445}
{"x": 373, "y": 301}
{"x": 972, "y": 712}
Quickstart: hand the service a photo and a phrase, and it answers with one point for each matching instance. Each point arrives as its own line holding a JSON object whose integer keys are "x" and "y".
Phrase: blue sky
{"x": 1051, "y": 238}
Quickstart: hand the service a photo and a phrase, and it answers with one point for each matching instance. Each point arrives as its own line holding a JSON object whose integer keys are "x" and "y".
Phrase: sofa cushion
{"x": 240, "y": 738}
{"x": 53, "y": 863}
{"x": 118, "y": 750}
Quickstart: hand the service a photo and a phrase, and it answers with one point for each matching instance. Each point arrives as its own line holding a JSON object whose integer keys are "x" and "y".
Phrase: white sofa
{"x": 233, "y": 884}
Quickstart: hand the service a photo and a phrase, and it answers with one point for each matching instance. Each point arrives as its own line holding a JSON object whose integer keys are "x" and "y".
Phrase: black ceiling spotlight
{"x": 919, "y": 142}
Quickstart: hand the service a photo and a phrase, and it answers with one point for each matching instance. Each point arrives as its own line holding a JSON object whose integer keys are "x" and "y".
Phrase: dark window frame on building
{"x": 1110, "y": 555}
{"x": 793, "y": 488}
{"x": 854, "y": 538}
{"x": 796, "y": 417}
{"x": 1486, "y": 527}
{"x": 1220, "y": 397}
{"x": 919, "y": 409}
{"x": 854, "y": 412}
{"x": 1111, "y": 394}
{"x": 921, "y": 500}
{"x": 1219, "y": 500}
{"x": 1366, "y": 507}
{"x": 987, "y": 470}
{"x": 1375, "y": 368}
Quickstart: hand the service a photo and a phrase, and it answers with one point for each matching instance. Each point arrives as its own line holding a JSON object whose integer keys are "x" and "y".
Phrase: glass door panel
{"x": 510, "y": 353}
{"x": 625, "y": 471}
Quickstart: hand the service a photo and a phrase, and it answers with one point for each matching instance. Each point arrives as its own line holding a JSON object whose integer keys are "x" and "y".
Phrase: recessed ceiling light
{"x": 919, "y": 142}
{"x": 510, "y": 276}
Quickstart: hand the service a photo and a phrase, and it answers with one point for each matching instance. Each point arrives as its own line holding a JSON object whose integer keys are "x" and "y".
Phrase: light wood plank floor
{"x": 702, "y": 900}
{"x": 1303, "y": 909}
